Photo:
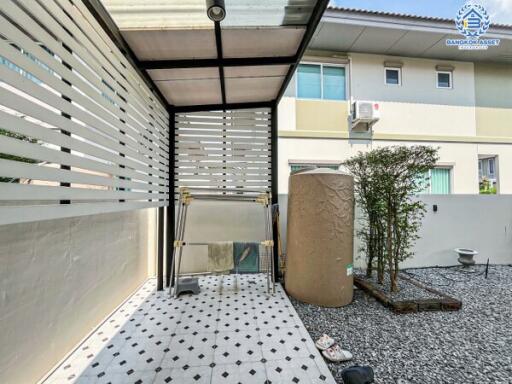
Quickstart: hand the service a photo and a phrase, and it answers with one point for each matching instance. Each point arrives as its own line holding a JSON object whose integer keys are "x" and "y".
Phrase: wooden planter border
{"x": 443, "y": 303}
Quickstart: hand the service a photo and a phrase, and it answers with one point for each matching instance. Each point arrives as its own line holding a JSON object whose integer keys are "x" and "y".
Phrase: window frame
{"x": 399, "y": 70}
{"x": 450, "y": 173}
{"x": 314, "y": 163}
{"x": 493, "y": 172}
{"x": 450, "y": 75}
{"x": 321, "y": 64}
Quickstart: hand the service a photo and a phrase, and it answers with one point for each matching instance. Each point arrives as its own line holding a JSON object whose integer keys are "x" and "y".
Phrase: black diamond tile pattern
{"x": 232, "y": 332}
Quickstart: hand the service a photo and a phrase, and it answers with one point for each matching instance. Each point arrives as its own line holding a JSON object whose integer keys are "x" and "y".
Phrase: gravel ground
{"x": 473, "y": 345}
{"x": 407, "y": 291}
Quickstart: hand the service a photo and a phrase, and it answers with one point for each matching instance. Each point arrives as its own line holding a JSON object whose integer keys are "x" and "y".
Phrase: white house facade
{"x": 422, "y": 91}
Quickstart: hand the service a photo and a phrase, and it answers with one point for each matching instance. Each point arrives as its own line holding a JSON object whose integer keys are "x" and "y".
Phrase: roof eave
{"x": 404, "y": 21}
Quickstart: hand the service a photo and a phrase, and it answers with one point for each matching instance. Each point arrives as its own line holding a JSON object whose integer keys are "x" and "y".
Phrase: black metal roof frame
{"x": 103, "y": 17}
{"x": 108, "y": 24}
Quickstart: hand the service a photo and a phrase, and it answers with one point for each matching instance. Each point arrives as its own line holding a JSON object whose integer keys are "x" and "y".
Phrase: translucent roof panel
{"x": 261, "y": 42}
{"x": 176, "y": 44}
{"x": 150, "y": 14}
{"x": 267, "y": 13}
{"x": 250, "y": 61}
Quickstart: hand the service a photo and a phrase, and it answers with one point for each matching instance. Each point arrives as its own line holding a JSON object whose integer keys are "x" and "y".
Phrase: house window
{"x": 318, "y": 81}
{"x": 309, "y": 81}
{"x": 299, "y": 167}
{"x": 444, "y": 79}
{"x": 437, "y": 181}
{"x": 393, "y": 76}
{"x": 488, "y": 174}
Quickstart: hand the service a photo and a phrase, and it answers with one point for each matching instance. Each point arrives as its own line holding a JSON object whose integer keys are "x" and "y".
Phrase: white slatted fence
{"x": 228, "y": 150}
{"x": 80, "y": 131}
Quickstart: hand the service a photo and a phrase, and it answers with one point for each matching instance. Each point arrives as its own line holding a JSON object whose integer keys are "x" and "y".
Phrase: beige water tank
{"x": 320, "y": 237}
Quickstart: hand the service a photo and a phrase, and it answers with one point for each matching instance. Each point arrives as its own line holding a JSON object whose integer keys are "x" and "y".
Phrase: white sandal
{"x": 336, "y": 354}
{"x": 324, "y": 342}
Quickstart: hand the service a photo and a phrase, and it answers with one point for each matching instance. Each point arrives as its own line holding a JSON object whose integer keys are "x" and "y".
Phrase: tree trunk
{"x": 380, "y": 255}
{"x": 369, "y": 267}
{"x": 395, "y": 276}
{"x": 396, "y": 255}
{"x": 389, "y": 249}
{"x": 371, "y": 250}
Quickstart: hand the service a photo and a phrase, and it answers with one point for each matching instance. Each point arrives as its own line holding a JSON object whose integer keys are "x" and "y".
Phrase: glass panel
{"x": 308, "y": 81}
{"x": 443, "y": 80}
{"x": 267, "y": 12}
{"x": 392, "y": 76}
{"x": 440, "y": 181}
{"x": 191, "y": 14}
{"x": 334, "y": 83}
{"x": 299, "y": 167}
{"x": 296, "y": 167}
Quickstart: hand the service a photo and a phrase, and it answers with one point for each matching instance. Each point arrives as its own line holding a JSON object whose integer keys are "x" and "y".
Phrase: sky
{"x": 500, "y": 11}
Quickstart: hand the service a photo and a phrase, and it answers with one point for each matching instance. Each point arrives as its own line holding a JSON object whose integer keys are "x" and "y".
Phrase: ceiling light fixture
{"x": 216, "y": 10}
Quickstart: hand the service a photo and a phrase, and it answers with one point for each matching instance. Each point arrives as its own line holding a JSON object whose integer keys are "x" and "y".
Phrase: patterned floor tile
{"x": 294, "y": 371}
{"x": 236, "y": 347}
{"x": 239, "y": 373}
{"x": 231, "y": 332}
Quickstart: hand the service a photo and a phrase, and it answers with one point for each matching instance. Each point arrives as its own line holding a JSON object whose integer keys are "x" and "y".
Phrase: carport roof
{"x": 248, "y": 59}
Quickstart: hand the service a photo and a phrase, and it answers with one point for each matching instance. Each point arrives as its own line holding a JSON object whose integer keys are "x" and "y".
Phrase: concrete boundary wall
{"x": 60, "y": 278}
{"x": 481, "y": 222}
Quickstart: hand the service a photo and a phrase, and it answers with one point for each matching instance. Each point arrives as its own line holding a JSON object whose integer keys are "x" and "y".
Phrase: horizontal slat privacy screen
{"x": 80, "y": 132}
{"x": 228, "y": 150}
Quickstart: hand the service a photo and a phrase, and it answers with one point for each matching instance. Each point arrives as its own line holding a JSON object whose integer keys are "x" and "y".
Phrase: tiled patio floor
{"x": 232, "y": 332}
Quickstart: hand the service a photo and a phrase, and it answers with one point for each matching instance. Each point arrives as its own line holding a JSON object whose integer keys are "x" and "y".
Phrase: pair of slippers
{"x": 332, "y": 350}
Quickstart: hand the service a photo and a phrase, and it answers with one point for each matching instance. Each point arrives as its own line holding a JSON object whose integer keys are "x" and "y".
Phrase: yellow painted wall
{"x": 396, "y": 118}
{"x": 321, "y": 115}
{"x": 493, "y": 92}
{"x": 494, "y": 121}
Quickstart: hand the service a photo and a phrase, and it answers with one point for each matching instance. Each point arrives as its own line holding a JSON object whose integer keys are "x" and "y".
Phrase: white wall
{"x": 418, "y": 81}
{"x": 493, "y": 85}
{"x": 425, "y": 119}
{"x": 286, "y": 114}
{"x": 417, "y": 106}
{"x": 479, "y": 222}
{"x": 462, "y": 156}
{"x": 60, "y": 278}
{"x": 209, "y": 221}
{"x": 483, "y": 223}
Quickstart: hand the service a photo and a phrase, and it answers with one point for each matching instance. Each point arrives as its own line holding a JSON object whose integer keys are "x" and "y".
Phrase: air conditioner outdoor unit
{"x": 364, "y": 115}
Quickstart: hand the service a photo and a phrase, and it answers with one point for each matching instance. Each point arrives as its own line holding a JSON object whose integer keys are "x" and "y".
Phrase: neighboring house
{"x": 423, "y": 91}
{"x": 487, "y": 170}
